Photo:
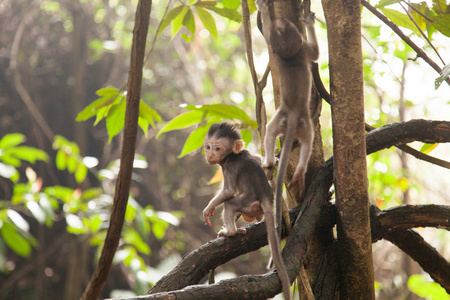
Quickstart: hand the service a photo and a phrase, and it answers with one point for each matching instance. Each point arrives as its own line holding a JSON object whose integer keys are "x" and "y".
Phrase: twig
{"x": 420, "y": 52}
{"x": 417, "y": 154}
{"x": 25, "y": 96}
{"x": 260, "y": 107}
{"x": 420, "y": 30}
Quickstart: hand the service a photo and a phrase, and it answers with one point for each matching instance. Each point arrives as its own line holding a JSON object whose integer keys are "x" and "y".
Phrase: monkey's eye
{"x": 207, "y": 147}
{"x": 217, "y": 148}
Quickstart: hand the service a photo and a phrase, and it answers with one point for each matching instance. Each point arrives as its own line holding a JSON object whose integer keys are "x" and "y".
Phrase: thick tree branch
{"x": 410, "y": 216}
{"x": 420, "y": 52}
{"x": 410, "y": 241}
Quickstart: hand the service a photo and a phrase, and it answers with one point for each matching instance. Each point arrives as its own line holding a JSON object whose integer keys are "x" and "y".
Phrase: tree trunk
{"x": 343, "y": 20}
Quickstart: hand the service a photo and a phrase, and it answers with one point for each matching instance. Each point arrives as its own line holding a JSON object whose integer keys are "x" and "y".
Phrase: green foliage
{"x": 205, "y": 116}
{"x": 68, "y": 158}
{"x": 111, "y": 105}
{"x": 419, "y": 285}
{"x": 183, "y": 15}
{"x": 12, "y": 155}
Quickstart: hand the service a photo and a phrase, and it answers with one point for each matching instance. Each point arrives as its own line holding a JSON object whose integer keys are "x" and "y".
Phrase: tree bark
{"x": 122, "y": 190}
{"x": 343, "y": 20}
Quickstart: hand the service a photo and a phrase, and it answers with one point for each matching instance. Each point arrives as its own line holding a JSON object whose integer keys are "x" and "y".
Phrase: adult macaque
{"x": 293, "y": 56}
{"x": 245, "y": 190}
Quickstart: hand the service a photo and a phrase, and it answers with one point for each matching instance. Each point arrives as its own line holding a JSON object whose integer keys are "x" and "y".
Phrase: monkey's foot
{"x": 224, "y": 232}
{"x": 298, "y": 182}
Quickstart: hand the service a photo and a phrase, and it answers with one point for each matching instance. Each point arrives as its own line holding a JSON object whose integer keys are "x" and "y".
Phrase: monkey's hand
{"x": 206, "y": 213}
{"x": 310, "y": 19}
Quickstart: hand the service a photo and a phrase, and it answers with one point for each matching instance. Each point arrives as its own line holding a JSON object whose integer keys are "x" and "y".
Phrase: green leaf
{"x": 440, "y": 6}
{"x": 60, "y": 160}
{"x": 159, "y": 228}
{"x": 110, "y": 95}
{"x": 149, "y": 114}
{"x": 427, "y": 289}
{"x": 189, "y": 21}
{"x": 170, "y": 16}
{"x": 207, "y": 21}
{"x": 11, "y": 140}
{"x": 231, "y": 4}
{"x": 182, "y": 121}
{"x": 223, "y": 110}
{"x": 196, "y": 138}
{"x": 115, "y": 120}
{"x": 384, "y": 3}
{"x": 63, "y": 193}
{"x": 400, "y": 19}
{"x": 246, "y": 136}
{"x": 133, "y": 238}
{"x": 231, "y": 14}
{"x": 81, "y": 173}
{"x": 178, "y": 21}
{"x": 442, "y": 23}
{"x": 15, "y": 240}
{"x": 29, "y": 154}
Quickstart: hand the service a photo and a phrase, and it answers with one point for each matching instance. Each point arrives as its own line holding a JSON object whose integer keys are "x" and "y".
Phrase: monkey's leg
{"x": 273, "y": 129}
{"x": 228, "y": 216}
{"x": 306, "y": 137}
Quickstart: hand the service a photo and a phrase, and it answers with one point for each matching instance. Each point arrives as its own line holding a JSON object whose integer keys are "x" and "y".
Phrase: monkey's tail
{"x": 282, "y": 167}
{"x": 275, "y": 248}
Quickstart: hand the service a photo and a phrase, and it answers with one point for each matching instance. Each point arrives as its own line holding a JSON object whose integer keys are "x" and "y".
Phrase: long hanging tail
{"x": 275, "y": 248}
{"x": 282, "y": 167}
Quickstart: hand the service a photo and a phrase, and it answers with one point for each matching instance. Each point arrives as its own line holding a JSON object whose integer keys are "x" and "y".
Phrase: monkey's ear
{"x": 237, "y": 146}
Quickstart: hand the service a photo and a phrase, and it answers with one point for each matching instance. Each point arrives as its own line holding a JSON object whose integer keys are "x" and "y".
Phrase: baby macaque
{"x": 293, "y": 55}
{"x": 245, "y": 190}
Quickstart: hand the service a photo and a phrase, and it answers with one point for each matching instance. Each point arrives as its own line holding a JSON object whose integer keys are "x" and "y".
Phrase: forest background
{"x": 57, "y": 175}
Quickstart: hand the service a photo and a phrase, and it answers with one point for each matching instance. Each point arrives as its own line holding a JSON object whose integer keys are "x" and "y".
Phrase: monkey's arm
{"x": 312, "y": 38}
{"x": 225, "y": 193}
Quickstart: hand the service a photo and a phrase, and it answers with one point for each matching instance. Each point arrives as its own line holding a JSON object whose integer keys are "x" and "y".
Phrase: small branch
{"x": 420, "y": 30}
{"x": 417, "y": 154}
{"x": 24, "y": 95}
{"x": 407, "y": 40}
{"x": 260, "y": 107}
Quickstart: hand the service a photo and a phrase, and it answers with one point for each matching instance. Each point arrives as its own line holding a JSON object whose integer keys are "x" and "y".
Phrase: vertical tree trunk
{"x": 343, "y": 20}
{"x": 98, "y": 279}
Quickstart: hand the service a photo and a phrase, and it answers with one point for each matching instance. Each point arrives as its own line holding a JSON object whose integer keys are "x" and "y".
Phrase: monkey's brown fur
{"x": 245, "y": 190}
{"x": 293, "y": 56}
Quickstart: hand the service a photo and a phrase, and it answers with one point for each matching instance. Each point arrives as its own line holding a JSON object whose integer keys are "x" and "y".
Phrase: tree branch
{"x": 410, "y": 241}
{"x": 260, "y": 107}
{"x": 98, "y": 279}
{"x": 407, "y": 40}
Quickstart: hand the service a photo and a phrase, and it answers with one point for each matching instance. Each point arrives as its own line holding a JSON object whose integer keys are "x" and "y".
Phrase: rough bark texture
{"x": 122, "y": 190}
{"x": 343, "y": 20}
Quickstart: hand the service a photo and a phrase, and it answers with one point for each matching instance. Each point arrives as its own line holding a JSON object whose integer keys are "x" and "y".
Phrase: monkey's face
{"x": 216, "y": 150}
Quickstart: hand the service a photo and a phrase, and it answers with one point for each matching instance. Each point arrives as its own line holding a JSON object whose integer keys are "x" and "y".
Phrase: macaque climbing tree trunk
{"x": 98, "y": 279}
{"x": 343, "y": 20}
